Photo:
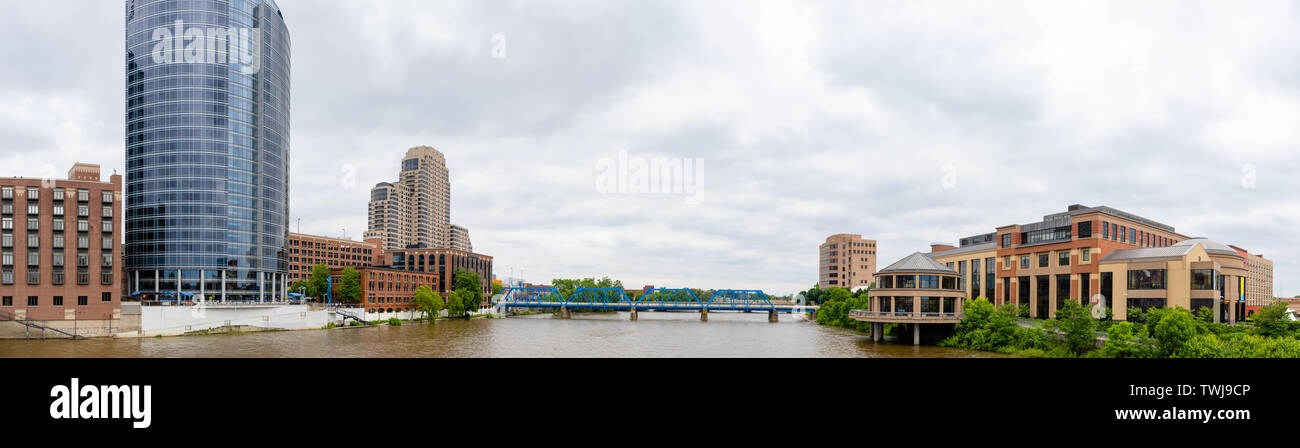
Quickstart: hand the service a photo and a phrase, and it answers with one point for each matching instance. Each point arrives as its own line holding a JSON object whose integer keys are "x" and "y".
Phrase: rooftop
{"x": 918, "y": 262}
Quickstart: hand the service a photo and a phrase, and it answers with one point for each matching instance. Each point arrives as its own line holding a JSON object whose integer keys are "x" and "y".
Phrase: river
{"x": 655, "y": 335}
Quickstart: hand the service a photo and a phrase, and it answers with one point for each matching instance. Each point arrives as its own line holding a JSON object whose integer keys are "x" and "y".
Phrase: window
{"x": 1085, "y": 229}
{"x": 108, "y": 260}
{"x": 108, "y": 212}
{"x": 58, "y": 278}
{"x": 83, "y": 195}
{"x": 33, "y": 194}
{"x": 33, "y": 258}
{"x": 1114, "y": 231}
{"x": 7, "y": 209}
{"x": 33, "y": 224}
{"x": 1006, "y": 240}
{"x": 106, "y": 277}
{"x": 58, "y": 225}
{"x": 58, "y": 259}
{"x": 58, "y": 209}
{"x": 1139, "y": 279}
{"x": 107, "y": 227}
{"x": 7, "y": 259}
{"x": 83, "y": 277}
{"x": 33, "y": 208}
{"x": 7, "y": 301}
{"x": 929, "y": 282}
{"x": 33, "y": 301}
{"x": 1063, "y": 258}
{"x": 906, "y": 281}
{"x": 58, "y": 194}
{"x": 83, "y": 210}
{"x": 59, "y": 241}
{"x": 107, "y": 243}
{"x": 107, "y": 196}
{"x": 1203, "y": 280}
{"x": 83, "y": 301}
{"x": 7, "y": 223}
{"x": 886, "y": 282}
{"x": 83, "y": 225}
{"x": 83, "y": 260}
{"x": 33, "y": 275}
{"x": 58, "y": 300}
{"x": 83, "y": 242}
{"x": 1044, "y": 260}
{"x": 7, "y": 241}
{"x": 7, "y": 193}
{"x": 1006, "y": 262}
{"x": 1132, "y": 236}
{"x": 1024, "y": 262}
{"x": 106, "y": 297}
{"x": 33, "y": 241}
{"x": 1040, "y": 236}
{"x": 1085, "y": 255}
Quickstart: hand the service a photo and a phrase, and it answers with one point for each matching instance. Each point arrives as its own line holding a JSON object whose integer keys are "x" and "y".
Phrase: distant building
{"x": 60, "y": 243}
{"x": 1259, "y": 281}
{"x": 444, "y": 263}
{"x": 459, "y": 239}
{"x": 416, "y": 210}
{"x": 846, "y": 261}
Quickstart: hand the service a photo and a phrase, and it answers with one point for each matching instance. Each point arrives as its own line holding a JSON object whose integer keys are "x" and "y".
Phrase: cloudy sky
{"x": 909, "y": 122}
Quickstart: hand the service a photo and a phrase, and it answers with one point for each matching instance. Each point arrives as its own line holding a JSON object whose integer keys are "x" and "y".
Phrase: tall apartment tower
{"x": 414, "y": 212}
{"x": 459, "y": 239}
{"x": 207, "y": 148}
{"x": 847, "y": 261}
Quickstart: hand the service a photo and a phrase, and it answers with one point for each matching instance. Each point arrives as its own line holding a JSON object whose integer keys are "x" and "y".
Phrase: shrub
{"x": 394, "y": 322}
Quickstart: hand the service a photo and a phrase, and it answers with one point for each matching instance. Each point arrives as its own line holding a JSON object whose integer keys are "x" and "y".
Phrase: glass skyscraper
{"x": 207, "y": 148}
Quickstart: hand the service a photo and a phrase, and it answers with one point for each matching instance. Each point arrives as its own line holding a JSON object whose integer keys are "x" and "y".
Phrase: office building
{"x": 459, "y": 239}
{"x": 59, "y": 244}
{"x": 444, "y": 263}
{"x": 846, "y": 261}
{"x": 307, "y": 251}
{"x": 388, "y": 290}
{"x": 207, "y": 150}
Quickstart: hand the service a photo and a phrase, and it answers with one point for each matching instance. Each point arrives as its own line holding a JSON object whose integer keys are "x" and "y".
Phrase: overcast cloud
{"x": 812, "y": 118}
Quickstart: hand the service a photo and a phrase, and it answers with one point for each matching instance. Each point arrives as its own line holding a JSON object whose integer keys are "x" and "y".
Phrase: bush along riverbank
{"x": 1159, "y": 333}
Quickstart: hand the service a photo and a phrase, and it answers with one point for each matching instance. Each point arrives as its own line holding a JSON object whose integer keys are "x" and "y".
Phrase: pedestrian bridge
{"x": 667, "y": 300}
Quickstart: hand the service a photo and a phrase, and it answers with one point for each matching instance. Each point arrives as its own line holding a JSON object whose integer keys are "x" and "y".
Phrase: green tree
{"x": 318, "y": 281}
{"x": 1078, "y": 325}
{"x": 496, "y": 289}
{"x": 301, "y": 287}
{"x": 349, "y": 289}
{"x": 1172, "y": 328}
{"x": 456, "y": 304}
{"x": 428, "y": 302}
{"x": 470, "y": 284}
{"x": 1271, "y": 321}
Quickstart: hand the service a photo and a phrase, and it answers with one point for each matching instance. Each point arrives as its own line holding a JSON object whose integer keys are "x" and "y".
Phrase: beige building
{"x": 1192, "y": 274}
{"x": 916, "y": 290}
{"x": 846, "y": 261}
{"x": 1259, "y": 280}
{"x": 975, "y": 263}
{"x": 415, "y": 211}
{"x": 459, "y": 239}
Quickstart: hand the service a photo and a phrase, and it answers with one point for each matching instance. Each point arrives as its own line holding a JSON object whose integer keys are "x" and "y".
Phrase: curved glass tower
{"x": 207, "y": 149}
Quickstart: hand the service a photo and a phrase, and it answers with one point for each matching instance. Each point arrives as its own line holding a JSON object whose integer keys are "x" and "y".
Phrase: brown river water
{"x": 655, "y": 335}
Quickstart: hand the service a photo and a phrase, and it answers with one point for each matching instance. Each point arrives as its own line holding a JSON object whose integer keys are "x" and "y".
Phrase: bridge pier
{"x": 916, "y": 334}
{"x": 633, "y": 314}
{"x": 876, "y": 330}
{"x": 773, "y": 317}
{"x": 704, "y": 315}
{"x": 564, "y": 313}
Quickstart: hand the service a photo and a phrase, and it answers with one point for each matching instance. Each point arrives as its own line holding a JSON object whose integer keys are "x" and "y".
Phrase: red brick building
{"x": 307, "y": 251}
{"x": 60, "y": 241}
{"x": 387, "y": 290}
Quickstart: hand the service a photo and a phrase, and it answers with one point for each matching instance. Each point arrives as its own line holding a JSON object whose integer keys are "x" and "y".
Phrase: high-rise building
{"x": 207, "y": 148}
{"x": 458, "y": 239}
{"x": 846, "y": 261}
{"x": 60, "y": 245}
{"x": 414, "y": 212}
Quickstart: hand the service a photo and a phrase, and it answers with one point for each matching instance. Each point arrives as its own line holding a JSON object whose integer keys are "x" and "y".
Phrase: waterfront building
{"x": 388, "y": 290}
{"x": 1192, "y": 274}
{"x": 414, "y": 212}
{"x": 207, "y": 150}
{"x": 916, "y": 290}
{"x": 846, "y": 261}
{"x": 1041, "y": 265}
{"x": 59, "y": 240}
{"x": 975, "y": 262}
{"x": 307, "y": 251}
{"x": 444, "y": 263}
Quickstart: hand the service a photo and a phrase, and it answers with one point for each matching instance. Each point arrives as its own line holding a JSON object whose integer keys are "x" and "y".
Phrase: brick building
{"x": 61, "y": 243}
{"x": 388, "y": 290}
{"x": 444, "y": 263}
{"x": 307, "y": 251}
{"x": 846, "y": 261}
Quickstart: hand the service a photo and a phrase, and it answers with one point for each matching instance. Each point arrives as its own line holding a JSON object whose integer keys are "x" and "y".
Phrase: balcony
{"x": 904, "y": 317}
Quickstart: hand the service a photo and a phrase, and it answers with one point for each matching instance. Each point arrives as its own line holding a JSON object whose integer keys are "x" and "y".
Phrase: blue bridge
{"x": 654, "y": 299}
